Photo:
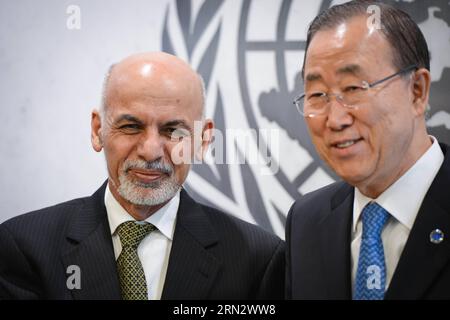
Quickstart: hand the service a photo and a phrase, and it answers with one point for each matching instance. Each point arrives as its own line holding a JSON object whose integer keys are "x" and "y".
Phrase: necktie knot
{"x": 374, "y": 218}
{"x": 132, "y": 233}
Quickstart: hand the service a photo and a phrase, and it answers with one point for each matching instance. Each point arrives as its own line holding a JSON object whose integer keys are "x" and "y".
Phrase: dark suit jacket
{"x": 213, "y": 255}
{"x": 318, "y": 236}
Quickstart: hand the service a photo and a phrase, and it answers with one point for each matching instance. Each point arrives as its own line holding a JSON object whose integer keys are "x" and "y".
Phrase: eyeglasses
{"x": 315, "y": 104}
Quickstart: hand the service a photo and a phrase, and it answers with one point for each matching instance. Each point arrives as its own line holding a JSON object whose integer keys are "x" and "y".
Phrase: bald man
{"x": 141, "y": 236}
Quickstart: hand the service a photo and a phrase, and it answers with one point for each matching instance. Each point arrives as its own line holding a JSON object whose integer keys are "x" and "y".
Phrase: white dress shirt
{"x": 154, "y": 249}
{"x": 402, "y": 200}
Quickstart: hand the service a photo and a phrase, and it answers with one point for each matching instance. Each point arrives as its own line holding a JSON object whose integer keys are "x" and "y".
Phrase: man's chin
{"x": 147, "y": 185}
{"x": 148, "y": 195}
{"x": 145, "y": 200}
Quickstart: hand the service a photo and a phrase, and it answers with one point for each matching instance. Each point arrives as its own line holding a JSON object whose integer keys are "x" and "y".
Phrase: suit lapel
{"x": 421, "y": 260}
{"x": 90, "y": 248}
{"x": 192, "y": 269}
{"x": 335, "y": 230}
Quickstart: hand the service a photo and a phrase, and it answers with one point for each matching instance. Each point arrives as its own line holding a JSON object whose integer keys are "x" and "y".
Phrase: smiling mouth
{"x": 147, "y": 174}
{"x": 345, "y": 144}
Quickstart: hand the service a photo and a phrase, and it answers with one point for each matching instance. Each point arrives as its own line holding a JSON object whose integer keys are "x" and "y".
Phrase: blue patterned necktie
{"x": 371, "y": 273}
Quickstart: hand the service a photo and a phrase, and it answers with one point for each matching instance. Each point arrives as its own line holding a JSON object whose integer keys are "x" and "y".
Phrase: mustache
{"x": 156, "y": 165}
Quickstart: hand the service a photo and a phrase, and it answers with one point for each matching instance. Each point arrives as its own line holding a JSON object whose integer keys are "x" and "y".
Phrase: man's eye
{"x": 315, "y": 95}
{"x": 177, "y": 133}
{"x": 170, "y": 130}
{"x": 130, "y": 127}
{"x": 351, "y": 89}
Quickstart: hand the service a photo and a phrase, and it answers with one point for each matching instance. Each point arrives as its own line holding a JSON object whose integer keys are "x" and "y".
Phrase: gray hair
{"x": 104, "y": 88}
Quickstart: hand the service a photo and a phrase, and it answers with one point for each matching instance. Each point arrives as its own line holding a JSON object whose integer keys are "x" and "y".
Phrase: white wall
{"x": 50, "y": 79}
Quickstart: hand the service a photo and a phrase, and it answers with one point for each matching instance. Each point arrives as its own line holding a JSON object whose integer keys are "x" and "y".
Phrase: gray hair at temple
{"x": 103, "y": 105}
{"x": 402, "y": 33}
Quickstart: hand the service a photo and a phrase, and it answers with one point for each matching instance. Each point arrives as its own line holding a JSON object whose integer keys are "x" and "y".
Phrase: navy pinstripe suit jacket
{"x": 213, "y": 256}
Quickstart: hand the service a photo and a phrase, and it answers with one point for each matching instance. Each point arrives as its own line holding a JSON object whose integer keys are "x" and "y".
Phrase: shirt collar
{"x": 405, "y": 196}
{"x": 163, "y": 219}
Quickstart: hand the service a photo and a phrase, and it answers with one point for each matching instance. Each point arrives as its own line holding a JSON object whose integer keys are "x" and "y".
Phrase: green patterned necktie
{"x": 131, "y": 273}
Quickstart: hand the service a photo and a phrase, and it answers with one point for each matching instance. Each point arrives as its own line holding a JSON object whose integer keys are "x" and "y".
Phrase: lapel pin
{"x": 436, "y": 236}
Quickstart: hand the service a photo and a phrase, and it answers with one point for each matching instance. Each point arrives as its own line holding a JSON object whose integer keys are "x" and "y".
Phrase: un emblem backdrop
{"x": 250, "y": 53}
{"x": 54, "y": 54}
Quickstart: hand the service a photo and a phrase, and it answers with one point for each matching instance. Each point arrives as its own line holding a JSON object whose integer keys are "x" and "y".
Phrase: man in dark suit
{"x": 141, "y": 236}
{"x": 382, "y": 232}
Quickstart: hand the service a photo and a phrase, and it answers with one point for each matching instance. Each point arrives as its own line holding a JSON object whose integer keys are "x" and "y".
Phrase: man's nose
{"x": 151, "y": 145}
{"x": 339, "y": 116}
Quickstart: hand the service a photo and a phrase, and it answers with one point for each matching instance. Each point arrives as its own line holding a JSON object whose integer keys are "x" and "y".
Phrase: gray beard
{"x": 147, "y": 194}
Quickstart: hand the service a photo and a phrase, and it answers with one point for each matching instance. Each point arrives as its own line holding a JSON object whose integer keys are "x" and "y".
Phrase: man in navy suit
{"x": 381, "y": 233}
{"x": 141, "y": 236}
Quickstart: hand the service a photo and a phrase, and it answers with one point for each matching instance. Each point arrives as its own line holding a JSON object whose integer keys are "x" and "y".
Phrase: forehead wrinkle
{"x": 130, "y": 99}
{"x": 160, "y": 101}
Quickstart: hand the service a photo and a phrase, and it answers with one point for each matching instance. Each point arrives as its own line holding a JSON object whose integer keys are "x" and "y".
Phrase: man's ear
{"x": 421, "y": 90}
{"x": 96, "y": 128}
{"x": 207, "y": 136}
